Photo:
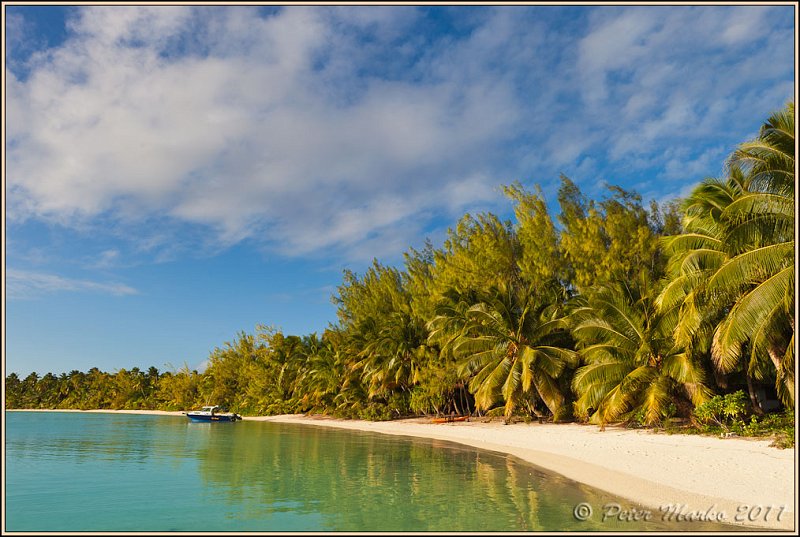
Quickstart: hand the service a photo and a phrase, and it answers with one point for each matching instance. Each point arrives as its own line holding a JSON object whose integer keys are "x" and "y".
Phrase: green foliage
{"x": 780, "y": 426}
{"x": 632, "y": 368}
{"x": 360, "y": 299}
{"x": 481, "y": 252}
{"x": 613, "y": 239}
{"x": 723, "y": 410}
{"x": 418, "y": 281}
{"x": 628, "y": 309}
{"x": 639, "y": 417}
{"x": 540, "y": 260}
{"x": 729, "y": 414}
{"x": 376, "y": 412}
{"x": 439, "y": 391}
{"x": 731, "y": 275}
{"x": 511, "y": 343}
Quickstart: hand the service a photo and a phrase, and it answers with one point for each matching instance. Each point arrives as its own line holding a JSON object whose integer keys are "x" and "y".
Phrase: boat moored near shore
{"x": 212, "y": 413}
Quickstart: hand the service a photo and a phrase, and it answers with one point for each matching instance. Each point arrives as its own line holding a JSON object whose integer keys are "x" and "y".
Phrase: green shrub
{"x": 725, "y": 411}
{"x": 730, "y": 414}
{"x": 780, "y": 425}
{"x": 375, "y": 412}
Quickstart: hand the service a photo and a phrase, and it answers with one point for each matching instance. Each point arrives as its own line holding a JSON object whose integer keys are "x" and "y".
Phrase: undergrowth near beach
{"x": 731, "y": 415}
{"x": 779, "y": 427}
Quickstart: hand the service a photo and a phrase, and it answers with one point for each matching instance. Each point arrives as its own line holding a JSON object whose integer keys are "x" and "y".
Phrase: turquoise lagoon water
{"x": 123, "y": 472}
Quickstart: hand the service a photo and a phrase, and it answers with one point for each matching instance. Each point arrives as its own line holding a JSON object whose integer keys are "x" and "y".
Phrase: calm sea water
{"x": 108, "y": 472}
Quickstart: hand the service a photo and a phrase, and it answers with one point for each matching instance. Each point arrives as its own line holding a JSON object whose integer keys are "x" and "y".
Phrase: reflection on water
{"x": 156, "y": 473}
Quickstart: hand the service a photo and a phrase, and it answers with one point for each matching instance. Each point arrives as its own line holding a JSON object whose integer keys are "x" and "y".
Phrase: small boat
{"x": 450, "y": 419}
{"x": 212, "y": 413}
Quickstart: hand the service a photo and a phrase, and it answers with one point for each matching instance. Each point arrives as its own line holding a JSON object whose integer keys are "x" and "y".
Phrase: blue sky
{"x": 177, "y": 174}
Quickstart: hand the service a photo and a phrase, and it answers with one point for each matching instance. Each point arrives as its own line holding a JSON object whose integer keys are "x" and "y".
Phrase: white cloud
{"x": 616, "y": 43}
{"x": 243, "y": 139}
{"x": 19, "y": 36}
{"x": 707, "y": 164}
{"x": 22, "y": 284}
{"x": 743, "y": 25}
{"x": 319, "y": 128}
{"x": 665, "y": 77}
{"x": 106, "y": 259}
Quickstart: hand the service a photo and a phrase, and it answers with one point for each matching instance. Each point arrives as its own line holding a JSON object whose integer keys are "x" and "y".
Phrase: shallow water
{"x": 123, "y": 472}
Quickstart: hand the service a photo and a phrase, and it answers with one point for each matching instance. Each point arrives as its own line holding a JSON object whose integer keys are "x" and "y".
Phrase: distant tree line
{"x": 612, "y": 311}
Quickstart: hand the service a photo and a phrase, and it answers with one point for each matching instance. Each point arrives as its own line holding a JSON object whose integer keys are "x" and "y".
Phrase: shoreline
{"x": 101, "y": 411}
{"x": 732, "y": 475}
{"x": 646, "y": 468}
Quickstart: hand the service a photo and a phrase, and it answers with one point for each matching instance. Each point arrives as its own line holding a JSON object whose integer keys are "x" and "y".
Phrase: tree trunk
{"x": 753, "y": 399}
{"x": 785, "y": 375}
{"x": 776, "y": 356}
{"x": 720, "y": 379}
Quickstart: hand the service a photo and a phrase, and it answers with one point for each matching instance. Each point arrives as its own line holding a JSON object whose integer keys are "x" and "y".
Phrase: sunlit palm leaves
{"x": 732, "y": 273}
{"x": 513, "y": 344}
{"x": 393, "y": 353}
{"x": 632, "y": 364}
{"x": 769, "y": 159}
{"x": 759, "y": 276}
{"x": 694, "y": 256}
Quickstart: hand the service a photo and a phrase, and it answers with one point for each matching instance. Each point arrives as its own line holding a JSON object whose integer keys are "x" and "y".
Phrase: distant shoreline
{"x": 732, "y": 475}
{"x": 100, "y": 411}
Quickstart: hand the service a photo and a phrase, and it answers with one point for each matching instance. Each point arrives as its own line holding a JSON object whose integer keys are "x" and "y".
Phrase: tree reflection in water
{"x": 372, "y": 482}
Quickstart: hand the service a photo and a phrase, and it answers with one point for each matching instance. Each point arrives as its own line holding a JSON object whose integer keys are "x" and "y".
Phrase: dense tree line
{"x": 612, "y": 312}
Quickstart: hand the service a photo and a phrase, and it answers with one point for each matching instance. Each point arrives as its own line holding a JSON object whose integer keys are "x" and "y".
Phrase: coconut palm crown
{"x": 632, "y": 366}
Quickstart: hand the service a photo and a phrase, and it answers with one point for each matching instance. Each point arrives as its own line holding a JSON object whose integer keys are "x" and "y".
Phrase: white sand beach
{"x": 738, "y": 477}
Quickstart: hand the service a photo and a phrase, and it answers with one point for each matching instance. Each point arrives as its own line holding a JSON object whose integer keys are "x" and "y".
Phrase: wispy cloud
{"x": 22, "y": 284}
{"x": 106, "y": 259}
{"x": 314, "y": 128}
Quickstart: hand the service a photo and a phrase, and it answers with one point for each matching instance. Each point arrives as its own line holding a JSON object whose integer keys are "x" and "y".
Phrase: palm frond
{"x": 752, "y": 265}
{"x": 547, "y": 360}
{"x": 655, "y": 400}
{"x": 691, "y": 241}
{"x": 748, "y": 313}
{"x": 549, "y": 391}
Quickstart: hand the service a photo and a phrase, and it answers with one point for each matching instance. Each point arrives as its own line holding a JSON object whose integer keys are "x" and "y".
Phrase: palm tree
{"x": 14, "y": 391}
{"x": 392, "y": 357}
{"x": 698, "y": 252}
{"x": 633, "y": 369}
{"x": 284, "y": 363}
{"x": 322, "y": 378}
{"x": 758, "y": 279}
{"x": 512, "y": 344}
{"x": 732, "y": 272}
{"x": 694, "y": 256}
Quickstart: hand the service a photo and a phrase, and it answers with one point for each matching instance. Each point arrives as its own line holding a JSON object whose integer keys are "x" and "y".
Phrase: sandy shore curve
{"x": 740, "y": 477}
{"x": 746, "y": 479}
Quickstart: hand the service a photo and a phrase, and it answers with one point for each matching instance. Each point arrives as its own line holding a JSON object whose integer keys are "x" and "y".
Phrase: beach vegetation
{"x": 723, "y": 410}
{"x": 732, "y": 414}
{"x": 632, "y": 365}
{"x": 610, "y": 311}
{"x": 512, "y": 343}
